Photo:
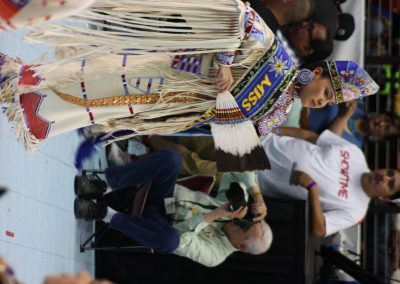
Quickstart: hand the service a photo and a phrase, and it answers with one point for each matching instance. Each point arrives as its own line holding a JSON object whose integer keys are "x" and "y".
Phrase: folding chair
{"x": 139, "y": 197}
{"x": 202, "y": 183}
{"x": 334, "y": 259}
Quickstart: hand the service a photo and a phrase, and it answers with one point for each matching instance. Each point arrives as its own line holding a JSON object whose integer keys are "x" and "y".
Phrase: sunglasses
{"x": 392, "y": 182}
{"x": 310, "y": 27}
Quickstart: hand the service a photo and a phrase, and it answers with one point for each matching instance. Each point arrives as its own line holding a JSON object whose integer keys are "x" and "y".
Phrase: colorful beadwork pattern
{"x": 226, "y": 58}
{"x": 187, "y": 63}
{"x": 277, "y": 115}
{"x": 247, "y": 88}
{"x": 264, "y": 82}
{"x": 229, "y": 116}
{"x": 84, "y": 94}
{"x": 350, "y": 81}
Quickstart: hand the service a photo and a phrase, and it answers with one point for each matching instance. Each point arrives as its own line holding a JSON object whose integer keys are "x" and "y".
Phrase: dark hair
{"x": 322, "y": 64}
{"x": 303, "y": 10}
{"x": 322, "y": 49}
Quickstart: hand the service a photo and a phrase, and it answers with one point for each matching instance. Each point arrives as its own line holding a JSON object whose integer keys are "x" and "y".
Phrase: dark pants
{"x": 152, "y": 229}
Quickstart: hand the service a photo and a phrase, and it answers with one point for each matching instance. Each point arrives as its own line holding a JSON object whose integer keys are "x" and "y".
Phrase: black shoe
{"x": 89, "y": 188}
{"x": 87, "y": 209}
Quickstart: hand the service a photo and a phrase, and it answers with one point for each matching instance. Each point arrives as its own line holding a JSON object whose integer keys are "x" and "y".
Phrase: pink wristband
{"x": 311, "y": 184}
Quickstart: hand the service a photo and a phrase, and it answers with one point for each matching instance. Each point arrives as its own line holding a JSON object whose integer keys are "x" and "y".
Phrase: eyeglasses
{"x": 309, "y": 26}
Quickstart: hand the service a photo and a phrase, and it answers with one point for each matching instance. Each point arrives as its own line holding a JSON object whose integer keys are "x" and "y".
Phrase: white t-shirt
{"x": 335, "y": 164}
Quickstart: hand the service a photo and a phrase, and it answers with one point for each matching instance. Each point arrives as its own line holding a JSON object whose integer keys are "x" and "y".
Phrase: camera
{"x": 236, "y": 198}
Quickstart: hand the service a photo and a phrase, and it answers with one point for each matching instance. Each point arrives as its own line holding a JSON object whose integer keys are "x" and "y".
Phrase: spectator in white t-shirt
{"x": 334, "y": 172}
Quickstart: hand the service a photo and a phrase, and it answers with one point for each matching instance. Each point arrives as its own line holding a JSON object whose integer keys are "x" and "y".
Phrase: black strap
{"x": 265, "y": 14}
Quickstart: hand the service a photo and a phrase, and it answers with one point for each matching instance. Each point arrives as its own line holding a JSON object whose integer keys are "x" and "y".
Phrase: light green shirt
{"x": 294, "y": 115}
{"x": 202, "y": 242}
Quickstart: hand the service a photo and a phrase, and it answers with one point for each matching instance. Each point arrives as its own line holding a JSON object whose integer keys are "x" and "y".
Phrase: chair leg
{"x": 122, "y": 248}
{"x": 92, "y": 171}
{"x": 99, "y": 233}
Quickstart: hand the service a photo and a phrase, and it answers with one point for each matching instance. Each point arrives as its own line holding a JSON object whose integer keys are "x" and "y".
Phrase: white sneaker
{"x": 136, "y": 147}
{"x": 117, "y": 157}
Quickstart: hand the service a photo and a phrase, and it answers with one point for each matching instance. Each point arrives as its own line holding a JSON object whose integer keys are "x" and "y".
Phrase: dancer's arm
{"x": 339, "y": 124}
{"x": 299, "y": 133}
{"x": 224, "y": 78}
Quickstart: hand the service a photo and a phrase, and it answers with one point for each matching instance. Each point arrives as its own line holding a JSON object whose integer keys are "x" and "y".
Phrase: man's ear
{"x": 318, "y": 71}
{"x": 242, "y": 247}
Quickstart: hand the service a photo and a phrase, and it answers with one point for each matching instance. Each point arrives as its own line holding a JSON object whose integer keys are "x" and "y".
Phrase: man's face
{"x": 381, "y": 183}
{"x": 381, "y": 126}
{"x": 300, "y": 36}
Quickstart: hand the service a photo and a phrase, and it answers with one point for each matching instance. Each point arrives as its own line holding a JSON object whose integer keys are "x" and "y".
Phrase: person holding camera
{"x": 204, "y": 229}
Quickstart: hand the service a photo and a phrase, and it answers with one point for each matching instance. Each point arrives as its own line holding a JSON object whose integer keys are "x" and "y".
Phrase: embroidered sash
{"x": 260, "y": 87}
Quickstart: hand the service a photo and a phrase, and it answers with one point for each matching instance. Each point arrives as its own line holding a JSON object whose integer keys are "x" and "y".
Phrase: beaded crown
{"x": 350, "y": 81}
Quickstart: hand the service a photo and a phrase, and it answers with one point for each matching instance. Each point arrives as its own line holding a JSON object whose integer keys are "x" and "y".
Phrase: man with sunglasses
{"x": 311, "y": 40}
{"x": 278, "y": 13}
{"x": 281, "y": 16}
{"x": 328, "y": 170}
{"x": 203, "y": 228}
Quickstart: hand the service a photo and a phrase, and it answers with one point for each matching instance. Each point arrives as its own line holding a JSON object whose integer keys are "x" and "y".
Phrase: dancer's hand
{"x": 224, "y": 78}
{"x": 348, "y": 109}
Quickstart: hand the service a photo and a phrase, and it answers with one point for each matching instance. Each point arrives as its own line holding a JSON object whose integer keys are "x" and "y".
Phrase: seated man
{"x": 203, "y": 228}
{"x": 334, "y": 172}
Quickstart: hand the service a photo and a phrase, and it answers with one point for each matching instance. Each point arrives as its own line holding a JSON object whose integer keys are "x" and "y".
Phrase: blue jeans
{"x": 152, "y": 229}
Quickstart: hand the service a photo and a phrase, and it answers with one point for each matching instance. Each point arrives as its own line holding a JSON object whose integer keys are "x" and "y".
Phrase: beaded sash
{"x": 261, "y": 86}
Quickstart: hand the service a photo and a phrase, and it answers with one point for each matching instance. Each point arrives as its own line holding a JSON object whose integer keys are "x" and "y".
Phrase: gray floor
{"x": 38, "y": 232}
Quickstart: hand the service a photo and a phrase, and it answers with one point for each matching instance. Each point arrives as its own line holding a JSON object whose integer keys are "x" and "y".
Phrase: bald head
{"x": 290, "y": 11}
{"x": 302, "y": 10}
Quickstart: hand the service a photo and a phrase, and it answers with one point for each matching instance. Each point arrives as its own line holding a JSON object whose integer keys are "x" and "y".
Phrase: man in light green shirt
{"x": 202, "y": 227}
{"x": 207, "y": 235}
